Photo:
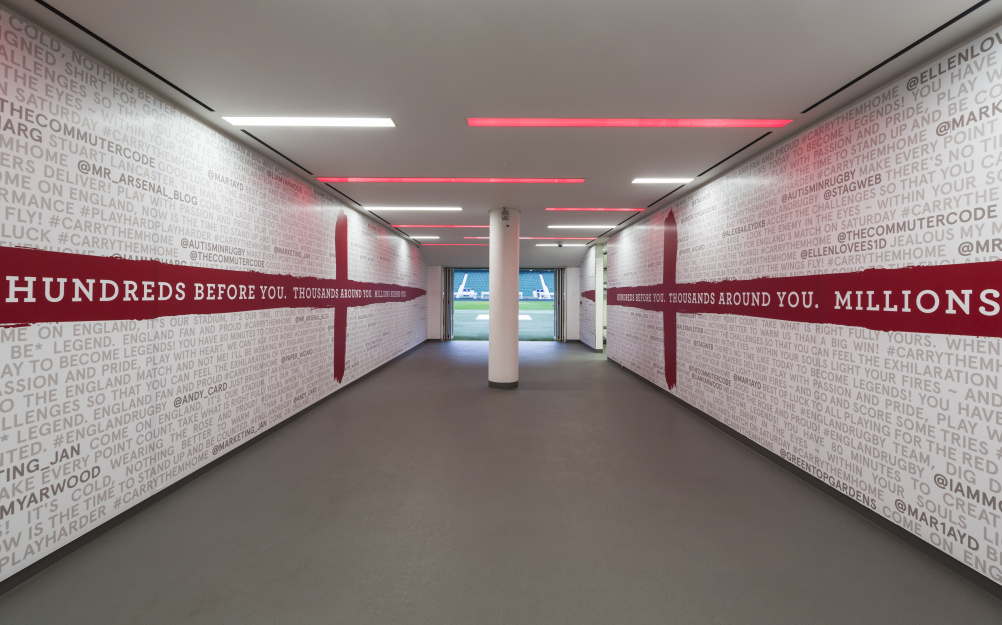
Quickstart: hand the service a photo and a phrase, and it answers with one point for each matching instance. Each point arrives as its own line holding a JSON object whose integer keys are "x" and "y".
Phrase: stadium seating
{"x": 477, "y": 280}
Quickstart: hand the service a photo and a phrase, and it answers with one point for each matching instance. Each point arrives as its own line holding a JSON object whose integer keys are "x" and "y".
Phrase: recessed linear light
{"x": 430, "y": 244}
{"x": 424, "y": 237}
{"x": 584, "y": 122}
{"x": 604, "y": 227}
{"x": 661, "y": 180}
{"x": 434, "y": 226}
{"x": 632, "y": 210}
{"x": 545, "y": 238}
{"x": 413, "y": 208}
{"x": 559, "y": 245}
{"x": 341, "y": 122}
{"x": 462, "y": 180}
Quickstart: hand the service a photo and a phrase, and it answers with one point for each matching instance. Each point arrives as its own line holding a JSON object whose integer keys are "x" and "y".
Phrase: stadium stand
{"x": 529, "y": 284}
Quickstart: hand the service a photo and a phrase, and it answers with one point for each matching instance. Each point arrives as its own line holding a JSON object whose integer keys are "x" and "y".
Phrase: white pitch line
{"x": 520, "y": 317}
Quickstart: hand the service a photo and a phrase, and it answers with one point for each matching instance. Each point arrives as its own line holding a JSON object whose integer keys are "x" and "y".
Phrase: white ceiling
{"x": 430, "y": 64}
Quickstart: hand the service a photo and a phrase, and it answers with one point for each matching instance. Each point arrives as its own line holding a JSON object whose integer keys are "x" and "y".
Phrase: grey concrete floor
{"x": 418, "y": 495}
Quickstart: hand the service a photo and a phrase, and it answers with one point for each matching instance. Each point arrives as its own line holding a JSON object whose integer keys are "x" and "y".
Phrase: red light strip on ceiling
{"x": 632, "y": 210}
{"x": 438, "y": 226}
{"x": 463, "y": 180}
{"x": 546, "y": 238}
{"x": 564, "y": 122}
{"x": 428, "y": 244}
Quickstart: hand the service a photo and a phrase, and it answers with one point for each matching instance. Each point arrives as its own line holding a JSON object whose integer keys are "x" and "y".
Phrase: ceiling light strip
{"x": 584, "y": 226}
{"x": 598, "y": 122}
{"x": 461, "y": 180}
{"x": 430, "y": 244}
{"x": 435, "y": 226}
{"x": 568, "y": 208}
{"x": 545, "y": 238}
{"x": 413, "y": 208}
{"x": 332, "y": 122}
{"x": 662, "y": 180}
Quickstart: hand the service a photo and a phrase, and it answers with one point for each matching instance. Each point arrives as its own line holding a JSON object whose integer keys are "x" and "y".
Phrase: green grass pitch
{"x": 466, "y": 327}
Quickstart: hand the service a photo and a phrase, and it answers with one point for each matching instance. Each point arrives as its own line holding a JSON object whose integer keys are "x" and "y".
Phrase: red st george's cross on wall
{"x": 50, "y": 287}
{"x": 961, "y": 299}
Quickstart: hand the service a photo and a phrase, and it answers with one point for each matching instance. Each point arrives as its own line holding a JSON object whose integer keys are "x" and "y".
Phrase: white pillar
{"x": 434, "y": 296}
{"x": 502, "y": 349}
{"x": 572, "y": 304}
{"x": 599, "y": 297}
